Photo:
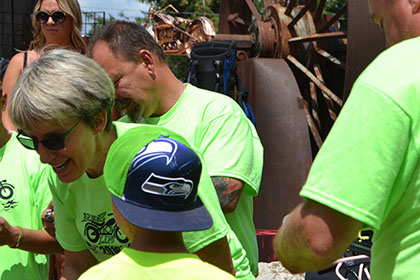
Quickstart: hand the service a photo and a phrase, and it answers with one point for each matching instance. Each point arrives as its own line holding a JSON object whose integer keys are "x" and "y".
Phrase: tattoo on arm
{"x": 228, "y": 191}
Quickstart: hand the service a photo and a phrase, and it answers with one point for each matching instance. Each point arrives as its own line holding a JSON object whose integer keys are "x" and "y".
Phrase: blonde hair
{"x": 72, "y": 9}
{"x": 60, "y": 86}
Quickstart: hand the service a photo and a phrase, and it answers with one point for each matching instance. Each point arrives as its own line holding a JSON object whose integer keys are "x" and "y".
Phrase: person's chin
{"x": 134, "y": 113}
{"x": 66, "y": 172}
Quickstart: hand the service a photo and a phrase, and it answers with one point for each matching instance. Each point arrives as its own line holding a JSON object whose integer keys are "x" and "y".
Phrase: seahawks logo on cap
{"x": 160, "y": 147}
{"x": 166, "y": 148}
{"x": 166, "y": 186}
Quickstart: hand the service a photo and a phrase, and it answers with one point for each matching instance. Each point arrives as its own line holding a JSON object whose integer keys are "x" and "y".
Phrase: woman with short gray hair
{"x": 61, "y": 105}
{"x": 63, "y": 86}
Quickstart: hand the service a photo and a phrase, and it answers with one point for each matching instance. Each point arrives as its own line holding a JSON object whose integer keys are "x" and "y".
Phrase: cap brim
{"x": 198, "y": 218}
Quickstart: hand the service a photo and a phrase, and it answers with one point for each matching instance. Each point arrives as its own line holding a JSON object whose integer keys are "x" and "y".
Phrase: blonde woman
{"x": 56, "y": 23}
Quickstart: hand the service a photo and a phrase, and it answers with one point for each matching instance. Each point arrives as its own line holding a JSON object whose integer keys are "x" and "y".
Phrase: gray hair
{"x": 61, "y": 85}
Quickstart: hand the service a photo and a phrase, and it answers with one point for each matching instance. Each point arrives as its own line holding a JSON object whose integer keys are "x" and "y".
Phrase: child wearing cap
{"x": 153, "y": 185}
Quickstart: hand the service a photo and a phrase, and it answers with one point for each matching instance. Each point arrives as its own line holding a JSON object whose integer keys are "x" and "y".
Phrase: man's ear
{"x": 415, "y": 6}
{"x": 148, "y": 61}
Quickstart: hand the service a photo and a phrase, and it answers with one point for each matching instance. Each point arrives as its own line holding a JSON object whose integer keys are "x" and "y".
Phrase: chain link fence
{"x": 16, "y": 29}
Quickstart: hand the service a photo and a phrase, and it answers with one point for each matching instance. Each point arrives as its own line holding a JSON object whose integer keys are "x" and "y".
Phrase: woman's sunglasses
{"x": 52, "y": 143}
{"x": 57, "y": 16}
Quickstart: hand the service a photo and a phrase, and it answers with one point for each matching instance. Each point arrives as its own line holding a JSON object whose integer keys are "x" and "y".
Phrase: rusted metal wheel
{"x": 314, "y": 46}
{"x": 299, "y": 70}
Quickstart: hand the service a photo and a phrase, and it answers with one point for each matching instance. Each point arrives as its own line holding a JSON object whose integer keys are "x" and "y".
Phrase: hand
{"x": 9, "y": 235}
{"x": 48, "y": 220}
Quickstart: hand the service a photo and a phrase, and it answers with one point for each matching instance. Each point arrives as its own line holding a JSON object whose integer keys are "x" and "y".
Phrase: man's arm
{"x": 229, "y": 191}
{"x": 36, "y": 241}
{"x": 218, "y": 254}
{"x": 76, "y": 263}
{"x": 314, "y": 236}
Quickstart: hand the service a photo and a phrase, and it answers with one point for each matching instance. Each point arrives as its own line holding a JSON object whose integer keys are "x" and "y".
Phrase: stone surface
{"x": 275, "y": 271}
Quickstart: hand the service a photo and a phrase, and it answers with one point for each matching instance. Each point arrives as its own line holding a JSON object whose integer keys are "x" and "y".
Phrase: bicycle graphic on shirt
{"x": 6, "y": 190}
{"x": 6, "y": 193}
{"x": 104, "y": 232}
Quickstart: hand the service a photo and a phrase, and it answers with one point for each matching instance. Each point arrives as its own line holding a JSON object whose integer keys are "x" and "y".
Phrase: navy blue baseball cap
{"x": 153, "y": 176}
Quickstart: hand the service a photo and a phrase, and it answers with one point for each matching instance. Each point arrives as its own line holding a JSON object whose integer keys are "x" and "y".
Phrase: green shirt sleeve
{"x": 232, "y": 148}
{"x": 363, "y": 158}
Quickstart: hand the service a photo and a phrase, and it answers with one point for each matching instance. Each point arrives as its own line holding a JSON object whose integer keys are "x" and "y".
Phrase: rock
{"x": 276, "y": 271}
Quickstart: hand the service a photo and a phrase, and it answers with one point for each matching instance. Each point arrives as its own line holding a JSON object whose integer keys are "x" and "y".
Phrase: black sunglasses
{"x": 57, "y": 16}
{"x": 53, "y": 143}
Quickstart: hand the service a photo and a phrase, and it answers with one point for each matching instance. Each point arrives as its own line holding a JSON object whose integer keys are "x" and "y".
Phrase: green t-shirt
{"x": 84, "y": 218}
{"x": 368, "y": 168}
{"x": 24, "y": 195}
{"x": 229, "y": 143}
{"x": 134, "y": 264}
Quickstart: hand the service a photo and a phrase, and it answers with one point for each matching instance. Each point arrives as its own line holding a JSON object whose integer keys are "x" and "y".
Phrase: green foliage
{"x": 123, "y": 17}
{"x": 180, "y": 65}
{"x": 259, "y": 4}
{"x": 333, "y": 6}
{"x": 95, "y": 20}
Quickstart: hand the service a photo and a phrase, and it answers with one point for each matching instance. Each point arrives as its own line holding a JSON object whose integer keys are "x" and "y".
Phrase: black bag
{"x": 213, "y": 67}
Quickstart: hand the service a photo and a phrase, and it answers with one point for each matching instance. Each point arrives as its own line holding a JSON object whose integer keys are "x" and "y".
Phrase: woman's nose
{"x": 46, "y": 155}
{"x": 50, "y": 20}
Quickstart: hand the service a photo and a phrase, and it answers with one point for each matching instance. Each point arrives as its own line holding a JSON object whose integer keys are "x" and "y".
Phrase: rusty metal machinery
{"x": 298, "y": 64}
{"x": 177, "y": 35}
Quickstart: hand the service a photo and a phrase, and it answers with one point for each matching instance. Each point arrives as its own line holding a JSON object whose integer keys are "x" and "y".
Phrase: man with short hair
{"x": 367, "y": 173}
{"x": 153, "y": 177}
{"x": 147, "y": 90}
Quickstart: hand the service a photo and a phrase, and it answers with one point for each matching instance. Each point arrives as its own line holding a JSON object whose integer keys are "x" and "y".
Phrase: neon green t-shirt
{"x": 134, "y": 264}
{"x": 368, "y": 168}
{"x": 84, "y": 218}
{"x": 24, "y": 195}
{"x": 229, "y": 143}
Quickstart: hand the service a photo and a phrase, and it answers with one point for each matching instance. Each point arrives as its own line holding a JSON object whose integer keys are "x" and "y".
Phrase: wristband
{"x": 20, "y": 239}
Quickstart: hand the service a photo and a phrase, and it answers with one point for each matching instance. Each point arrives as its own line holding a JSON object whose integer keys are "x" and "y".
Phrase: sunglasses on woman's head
{"x": 52, "y": 143}
{"x": 57, "y": 16}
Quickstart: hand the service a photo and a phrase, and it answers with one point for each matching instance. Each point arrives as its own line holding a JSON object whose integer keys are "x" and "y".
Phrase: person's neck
{"x": 104, "y": 141}
{"x": 4, "y": 136}
{"x": 170, "y": 92}
{"x": 158, "y": 241}
{"x": 54, "y": 45}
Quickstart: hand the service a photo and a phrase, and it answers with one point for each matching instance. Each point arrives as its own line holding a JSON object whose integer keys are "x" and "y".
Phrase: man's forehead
{"x": 100, "y": 47}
